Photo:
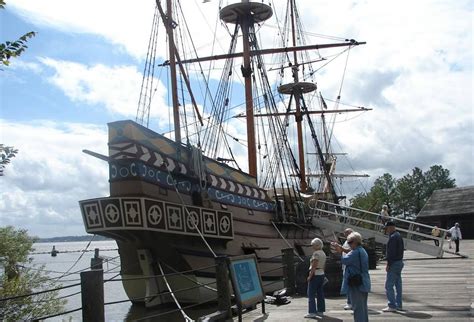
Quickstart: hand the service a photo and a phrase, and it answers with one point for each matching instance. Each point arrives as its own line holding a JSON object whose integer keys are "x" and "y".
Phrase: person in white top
{"x": 456, "y": 235}
{"x": 384, "y": 215}
{"x": 346, "y": 248}
{"x": 316, "y": 280}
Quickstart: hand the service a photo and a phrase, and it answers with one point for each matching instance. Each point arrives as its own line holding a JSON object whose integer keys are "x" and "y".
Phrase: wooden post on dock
{"x": 96, "y": 261}
{"x": 289, "y": 269}
{"x": 223, "y": 290}
{"x": 92, "y": 292}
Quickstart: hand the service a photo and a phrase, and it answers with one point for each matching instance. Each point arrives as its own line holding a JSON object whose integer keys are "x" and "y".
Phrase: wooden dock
{"x": 433, "y": 289}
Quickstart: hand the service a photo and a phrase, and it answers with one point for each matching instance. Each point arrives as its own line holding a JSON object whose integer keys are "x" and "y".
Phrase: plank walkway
{"x": 433, "y": 290}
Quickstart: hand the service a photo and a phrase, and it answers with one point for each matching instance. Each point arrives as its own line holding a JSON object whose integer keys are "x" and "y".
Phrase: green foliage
{"x": 11, "y": 49}
{"x": 15, "y": 245}
{"x": 16, "y": 279}
{"x": 28, "y": 308}
{"x": 6, "y": 154}
{"x": 405, "y": 196}
{"x": 381, "y": 193}
{"x": 437, "y": 178}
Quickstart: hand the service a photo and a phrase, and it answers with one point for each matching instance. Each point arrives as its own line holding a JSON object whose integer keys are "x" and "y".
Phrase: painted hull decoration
{"x": 111, "y": 214}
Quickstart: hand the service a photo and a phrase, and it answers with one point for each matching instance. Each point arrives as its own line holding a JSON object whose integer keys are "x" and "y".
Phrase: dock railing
{"x": 93, "y": 302}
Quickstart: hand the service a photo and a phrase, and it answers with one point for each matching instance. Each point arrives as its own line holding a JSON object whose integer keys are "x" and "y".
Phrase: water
{"x": 70, "y": 261}
{"x": 73, "y": 263}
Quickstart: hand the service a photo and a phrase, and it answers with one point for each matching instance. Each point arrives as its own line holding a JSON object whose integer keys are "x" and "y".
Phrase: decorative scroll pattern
{"x": 222, "y": 191}
{"x": 105, "y": 214}
{"x": 129, "y": 150}
{"x": 133, "y": 152}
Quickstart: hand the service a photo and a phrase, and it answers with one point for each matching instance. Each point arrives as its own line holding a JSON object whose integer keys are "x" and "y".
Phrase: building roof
{"x": 446, "y": 202}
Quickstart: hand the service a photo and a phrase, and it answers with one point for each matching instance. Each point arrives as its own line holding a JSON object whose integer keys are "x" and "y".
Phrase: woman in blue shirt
{"x": 357, "y": 262}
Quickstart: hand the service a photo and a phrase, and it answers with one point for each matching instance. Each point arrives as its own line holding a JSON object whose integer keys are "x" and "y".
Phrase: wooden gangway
{"x": 416, "y": 236}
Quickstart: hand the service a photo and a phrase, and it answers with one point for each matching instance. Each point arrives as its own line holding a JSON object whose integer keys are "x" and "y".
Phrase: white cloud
{"x": 116, "y": 88}
{"x": 110, "y": 19}
{"x": 32, "y": 66}
{"x": 44, "y": 182}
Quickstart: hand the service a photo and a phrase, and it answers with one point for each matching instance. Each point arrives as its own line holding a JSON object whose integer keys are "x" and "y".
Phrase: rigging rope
{"x": 190, "y": 279}
{"x": 284, "y": 239}
{"x": 146, "y": 90}
{"x": 78, "y": 259}
{"x": 187, "y": 211}
{"x": 185, "y": 316}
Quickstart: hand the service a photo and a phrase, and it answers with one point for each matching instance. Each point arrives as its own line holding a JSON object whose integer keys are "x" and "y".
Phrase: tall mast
{"x": 247, "y": 73}
{"x": 246, "y": 14}
{"x": 297, "y": 89}
{"x": 297, "y": 94}
{"x": 169, "y": 23}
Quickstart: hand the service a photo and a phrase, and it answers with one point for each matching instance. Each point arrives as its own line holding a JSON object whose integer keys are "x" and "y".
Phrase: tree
{"x": 11, "y": 49}
{"x": 18, "y": 279}
{"x": 381, "y": 193}
{"x": 437, "y": 178}
{"x": 405, "y": 196}
{"x": 383, "y": 190}
{"x": 6, "y": 154}
{"x": 418, "y": 196}
{"x": 413, "y": 190}
{"x": 403, "y": 193}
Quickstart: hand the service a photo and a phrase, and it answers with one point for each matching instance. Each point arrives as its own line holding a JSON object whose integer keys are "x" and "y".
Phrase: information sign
{"x": 246, "y": 280}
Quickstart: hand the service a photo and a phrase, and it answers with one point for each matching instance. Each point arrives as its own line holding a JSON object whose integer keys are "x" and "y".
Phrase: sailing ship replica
{"x": 176, "y": 204}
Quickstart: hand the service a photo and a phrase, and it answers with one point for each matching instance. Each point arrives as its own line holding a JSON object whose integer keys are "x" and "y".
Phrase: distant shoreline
{"x": 71, "y": 239}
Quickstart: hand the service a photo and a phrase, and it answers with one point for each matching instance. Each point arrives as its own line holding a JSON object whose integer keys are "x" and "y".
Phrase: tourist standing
{"x": 456, "y": 235}
{"x": 346, "y": 248}
{"x": 357, "y": 263}
{"x": 384, "y": 215}
{"x": 395, "y": 249}
{"x": 448, "y": 237}
{"x": 316, "y": 279}
{"x": 435, "y": 232}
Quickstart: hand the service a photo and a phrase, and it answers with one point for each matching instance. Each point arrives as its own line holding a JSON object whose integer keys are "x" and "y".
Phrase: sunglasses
{"x": 350, "y": 242}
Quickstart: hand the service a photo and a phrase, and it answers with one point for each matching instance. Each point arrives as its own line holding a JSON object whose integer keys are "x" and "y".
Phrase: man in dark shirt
{"x": 395, "y": 248}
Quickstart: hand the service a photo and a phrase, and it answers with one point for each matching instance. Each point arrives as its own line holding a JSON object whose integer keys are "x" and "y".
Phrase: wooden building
{"x": 446, "y": 207}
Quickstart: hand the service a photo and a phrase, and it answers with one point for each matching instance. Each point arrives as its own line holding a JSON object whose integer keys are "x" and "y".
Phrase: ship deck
{"x": 433, "y": 289}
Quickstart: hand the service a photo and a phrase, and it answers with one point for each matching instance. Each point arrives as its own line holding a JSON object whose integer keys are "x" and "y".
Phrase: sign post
{"x": 246, "y": 281}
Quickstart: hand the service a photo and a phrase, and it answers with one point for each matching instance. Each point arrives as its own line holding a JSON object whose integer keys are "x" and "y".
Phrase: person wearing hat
{"x": 395, "y": 248}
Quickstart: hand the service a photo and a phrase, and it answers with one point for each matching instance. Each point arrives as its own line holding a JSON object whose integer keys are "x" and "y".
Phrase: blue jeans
{"x": 315, "y": 288}
{"x": 394, "y": 279}
{"x": 359, "y": 304}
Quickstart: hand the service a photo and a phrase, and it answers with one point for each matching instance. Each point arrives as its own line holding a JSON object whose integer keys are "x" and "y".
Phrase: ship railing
{"x": 353, "y": 217}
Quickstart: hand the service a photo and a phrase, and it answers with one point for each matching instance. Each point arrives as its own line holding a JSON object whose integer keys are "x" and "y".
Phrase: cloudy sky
{"x": 83, "y": 69}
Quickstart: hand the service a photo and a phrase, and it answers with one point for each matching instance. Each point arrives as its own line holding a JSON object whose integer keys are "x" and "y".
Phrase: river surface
{"x": 68, "y": 264}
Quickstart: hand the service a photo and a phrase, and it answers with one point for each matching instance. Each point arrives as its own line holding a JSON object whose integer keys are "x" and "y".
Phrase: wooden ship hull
{"x": 160, "y": 194}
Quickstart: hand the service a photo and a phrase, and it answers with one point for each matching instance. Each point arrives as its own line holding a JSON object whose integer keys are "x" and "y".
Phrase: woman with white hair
{"x": 316, "y": 280}
{"x": 456, "y": 235}
{"x": 384, "y": 215}
{"x": 356, "y": 279}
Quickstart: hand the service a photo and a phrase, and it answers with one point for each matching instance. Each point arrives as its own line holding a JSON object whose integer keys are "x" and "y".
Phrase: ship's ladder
{"x": 416, "y": 236}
